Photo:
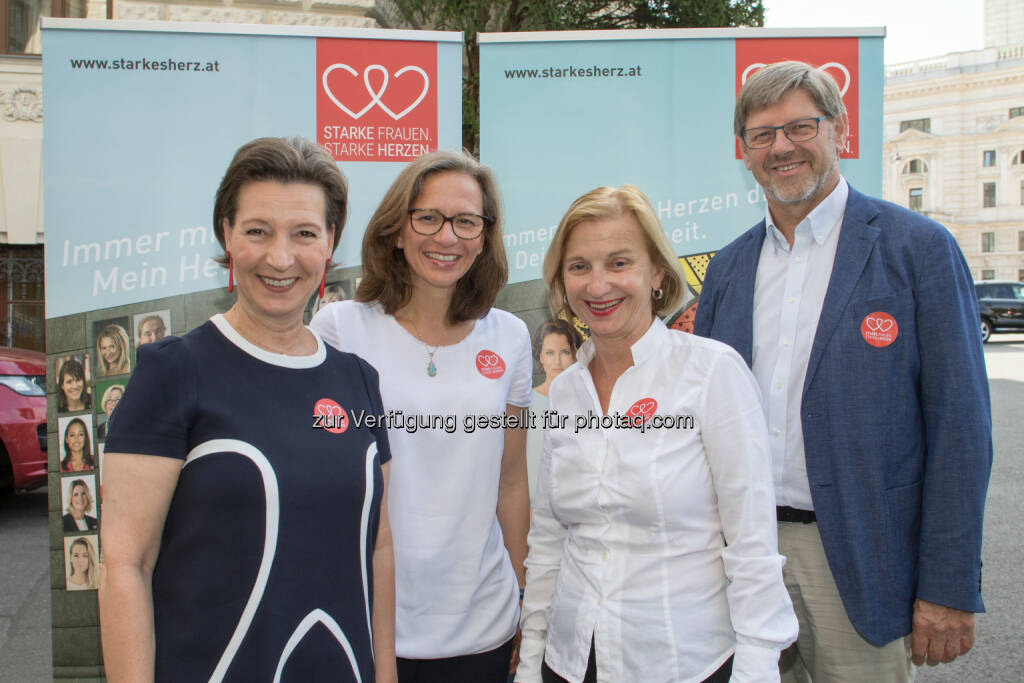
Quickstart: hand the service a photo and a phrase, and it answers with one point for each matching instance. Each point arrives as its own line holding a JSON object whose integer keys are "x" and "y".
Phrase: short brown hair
{"x": 613, "y": 202}
{"x": 150, "y": 318}
{"x": 387, "y": 278}
{"x": 284, "y": 160}
{"x": 555, "y": 326}
{"x": 769, "y": 84}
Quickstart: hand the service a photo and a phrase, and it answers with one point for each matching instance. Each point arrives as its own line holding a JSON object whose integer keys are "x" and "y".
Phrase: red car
{"x": 22, "y": 419}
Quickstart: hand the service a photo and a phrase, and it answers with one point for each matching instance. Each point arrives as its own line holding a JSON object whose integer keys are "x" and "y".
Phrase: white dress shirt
{"x": 629, "y": 532}
{"x": 789, "y": 291}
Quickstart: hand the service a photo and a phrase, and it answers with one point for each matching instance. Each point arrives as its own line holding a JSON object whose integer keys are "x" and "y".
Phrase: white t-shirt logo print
{"x": 489, "y": 364}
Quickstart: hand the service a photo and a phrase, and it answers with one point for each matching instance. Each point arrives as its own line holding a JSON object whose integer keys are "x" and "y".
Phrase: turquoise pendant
{"x": 432, "y": 369}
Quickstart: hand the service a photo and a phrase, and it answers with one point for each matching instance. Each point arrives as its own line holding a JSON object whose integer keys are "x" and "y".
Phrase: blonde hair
{"x": 88, "y": 495}
{"x": 106, "y": 395}
{"x": 614, "y": 202}
{"x": 116, "y": 334}
{"x": 92, "y": 579}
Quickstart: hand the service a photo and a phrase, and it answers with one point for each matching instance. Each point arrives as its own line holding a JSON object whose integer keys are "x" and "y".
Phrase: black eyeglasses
{"x": 466, "y": 226}
{"x": 800, "y": 130}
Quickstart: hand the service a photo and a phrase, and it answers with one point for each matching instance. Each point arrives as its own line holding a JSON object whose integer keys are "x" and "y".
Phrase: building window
{"x": 915, "y": 166}
{"x": 988, "y": 158}
{"x": 1018, "y": 158}
{"x": 19, "y": 21}
{"x": 988, "y": 196}
{"x": 1020, "y": 275}
{"x": 21, "y": 297}
{"x": 923, "y": 125}
{"x": 1016, "y": 111}
{"x": 988, "y": 274}
{"x": 988, "y": 241}
{"x": 916, "y": 199}
{"x": 1020, "y": 240}
{"x": 1022, "y": 193}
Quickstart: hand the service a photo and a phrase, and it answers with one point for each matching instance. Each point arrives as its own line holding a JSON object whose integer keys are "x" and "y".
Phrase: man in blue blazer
{"x": 860, "y": 323}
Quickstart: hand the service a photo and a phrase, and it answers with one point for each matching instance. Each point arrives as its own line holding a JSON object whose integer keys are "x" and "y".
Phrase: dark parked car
{"x": 22, "y": 419}
{"x": 1001, "y": 304}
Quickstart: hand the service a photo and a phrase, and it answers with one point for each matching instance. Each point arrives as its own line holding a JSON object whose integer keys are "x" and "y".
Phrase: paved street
{"x": 998, "y": 655}
{"x": 24, "y": 589}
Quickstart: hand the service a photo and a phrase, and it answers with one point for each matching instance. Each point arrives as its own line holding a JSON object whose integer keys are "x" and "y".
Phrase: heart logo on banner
{"x": 375, "y": 95}
{"x": 843, "y": 86}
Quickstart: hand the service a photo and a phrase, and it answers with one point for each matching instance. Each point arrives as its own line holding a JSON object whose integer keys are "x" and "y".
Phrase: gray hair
{"x": 769, "y": 84}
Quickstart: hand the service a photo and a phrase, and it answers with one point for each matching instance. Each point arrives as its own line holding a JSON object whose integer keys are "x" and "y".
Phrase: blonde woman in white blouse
{"x": 653, "y": 553}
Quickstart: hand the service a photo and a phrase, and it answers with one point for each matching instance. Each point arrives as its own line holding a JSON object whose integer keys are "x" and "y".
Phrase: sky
{"x": 915, "y": 29}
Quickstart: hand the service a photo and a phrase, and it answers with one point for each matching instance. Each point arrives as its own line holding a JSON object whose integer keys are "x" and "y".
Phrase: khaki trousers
{"x": 829, "y": 649}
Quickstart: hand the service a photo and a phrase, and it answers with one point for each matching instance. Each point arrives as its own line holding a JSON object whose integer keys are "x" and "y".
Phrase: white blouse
{"x": 659, "y": 541}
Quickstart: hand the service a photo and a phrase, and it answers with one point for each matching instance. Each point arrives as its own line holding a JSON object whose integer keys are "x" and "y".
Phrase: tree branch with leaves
{"x": 473, "y": 17}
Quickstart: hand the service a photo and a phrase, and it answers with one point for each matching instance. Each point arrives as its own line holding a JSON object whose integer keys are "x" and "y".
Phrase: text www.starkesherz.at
{"x": 573, "y": 71}
{"x": 144, "y": 64}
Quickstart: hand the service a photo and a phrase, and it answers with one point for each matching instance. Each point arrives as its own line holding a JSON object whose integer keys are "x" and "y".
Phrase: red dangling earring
{"x": 231, "y": 273}
{"x": 323, "y": 280}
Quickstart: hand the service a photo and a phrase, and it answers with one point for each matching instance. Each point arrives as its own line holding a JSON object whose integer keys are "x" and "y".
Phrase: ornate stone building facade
{"x": 21, "y": 202}
{"x": 954, "y": 145}
{"x": 21, "y": 117}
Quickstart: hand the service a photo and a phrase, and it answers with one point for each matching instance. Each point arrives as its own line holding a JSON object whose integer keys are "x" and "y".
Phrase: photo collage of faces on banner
{"x": 89, "y": 387}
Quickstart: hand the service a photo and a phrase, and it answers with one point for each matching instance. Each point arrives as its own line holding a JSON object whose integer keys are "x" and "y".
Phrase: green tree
{"x": 504, "y": 16}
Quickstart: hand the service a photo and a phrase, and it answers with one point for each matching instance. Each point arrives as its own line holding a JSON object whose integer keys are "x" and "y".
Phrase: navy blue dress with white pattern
{"x": 265, "y": 564}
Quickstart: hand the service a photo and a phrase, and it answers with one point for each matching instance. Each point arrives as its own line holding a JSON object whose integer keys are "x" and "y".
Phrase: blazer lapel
{"x": 746, "y": 271}
{"x": 856, "y": 239}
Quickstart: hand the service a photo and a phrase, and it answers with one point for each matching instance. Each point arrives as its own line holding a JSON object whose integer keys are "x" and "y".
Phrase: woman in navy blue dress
{"x": 245, "y": 533}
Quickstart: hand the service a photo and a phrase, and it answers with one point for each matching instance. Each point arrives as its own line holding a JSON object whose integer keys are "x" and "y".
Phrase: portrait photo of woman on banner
{"x": 113, "y": 350}
{"x": 76, "y": 444}
{"x": 73, "y": 391}
{"x": 554, "y": 346}
{"x": 79, "y": 503}
{"x": 110, "y": 393}
{"x": 81, "y": 563}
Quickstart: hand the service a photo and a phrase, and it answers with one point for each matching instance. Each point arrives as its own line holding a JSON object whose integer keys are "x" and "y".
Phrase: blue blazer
{"x": 897, "y": 438}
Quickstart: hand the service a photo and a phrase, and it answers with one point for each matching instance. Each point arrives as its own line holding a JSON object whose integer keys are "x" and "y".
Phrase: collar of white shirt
{"x": 822, "y": 220}
{"x": 642, "y": 349}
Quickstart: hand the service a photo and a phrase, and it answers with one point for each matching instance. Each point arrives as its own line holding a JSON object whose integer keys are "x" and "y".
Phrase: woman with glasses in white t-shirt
{"x": 453, "y": 370}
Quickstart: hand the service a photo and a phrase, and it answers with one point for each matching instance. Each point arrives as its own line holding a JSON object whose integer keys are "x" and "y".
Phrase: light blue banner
{"x": 560, "y": 115}
{"x": 140, "y": 126}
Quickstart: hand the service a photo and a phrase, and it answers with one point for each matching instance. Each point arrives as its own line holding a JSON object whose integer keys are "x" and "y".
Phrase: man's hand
{"x": 941, "y": 634}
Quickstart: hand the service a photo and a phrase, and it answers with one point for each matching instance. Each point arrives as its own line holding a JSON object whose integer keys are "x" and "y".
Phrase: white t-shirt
{"x": 455, "y": 590}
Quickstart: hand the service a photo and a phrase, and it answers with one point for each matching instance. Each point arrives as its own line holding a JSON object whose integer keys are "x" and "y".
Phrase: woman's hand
{"x": 517, "y": 640}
